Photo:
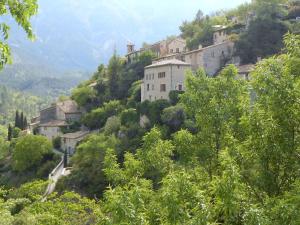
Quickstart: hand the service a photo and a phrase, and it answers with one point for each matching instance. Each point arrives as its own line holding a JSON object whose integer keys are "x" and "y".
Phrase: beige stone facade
{"x": 162, "y": 77}
{"x": 70, "y": 141}
{"x": 212, "y": 58}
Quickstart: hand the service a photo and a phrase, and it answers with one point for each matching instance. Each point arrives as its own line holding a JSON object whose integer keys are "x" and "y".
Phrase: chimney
{"x": 130, "y": 48}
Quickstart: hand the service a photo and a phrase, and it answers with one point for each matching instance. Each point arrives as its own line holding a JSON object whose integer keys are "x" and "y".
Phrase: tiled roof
{"x": 75, "y": 135}
{"x": 69, "y": 106}
{"x": 168, "y": 62}
{"x": 54, "y": 123}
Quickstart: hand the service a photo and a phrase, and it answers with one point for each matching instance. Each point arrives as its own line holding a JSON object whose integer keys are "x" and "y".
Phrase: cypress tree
{"x": 21, "y": 121}
{"x": 9, "y": 133}
{"x": 25, "y": 123}
{"x": 17, "y": 119}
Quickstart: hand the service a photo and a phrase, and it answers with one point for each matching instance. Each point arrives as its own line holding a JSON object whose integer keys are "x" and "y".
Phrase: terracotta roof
{"x": 75, "y": 135}
{"x": 168, "y": 62}
{"x": 247, "y": 68}
{"x": 54, "y": 123}
{"x": 69, "y": 106}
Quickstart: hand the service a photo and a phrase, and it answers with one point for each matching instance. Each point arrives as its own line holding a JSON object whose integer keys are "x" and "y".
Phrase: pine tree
{"x": 9, "y": 133}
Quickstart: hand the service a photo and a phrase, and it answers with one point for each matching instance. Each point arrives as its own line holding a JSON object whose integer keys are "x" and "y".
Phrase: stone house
{"x": 69, "y": 141}
{"x": 245, "y": 70}
{"x": 160, "y": 49}
{"x": 55, "y": 117}
{"x": 212, "y": 58}
{"x": 162, "y": 77}
{"x": 51, "y": 129}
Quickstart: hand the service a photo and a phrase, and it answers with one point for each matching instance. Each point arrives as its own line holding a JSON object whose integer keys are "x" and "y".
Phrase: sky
{"x": 84, "y": 33}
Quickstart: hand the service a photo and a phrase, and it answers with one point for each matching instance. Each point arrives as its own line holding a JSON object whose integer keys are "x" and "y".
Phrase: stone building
{"x": 159, "y": 49}
{"x": 69, "y": 141}
{"x": 212, "y": 58}
{"x": 162, "y": 77}
{"x": 57, "y": 116}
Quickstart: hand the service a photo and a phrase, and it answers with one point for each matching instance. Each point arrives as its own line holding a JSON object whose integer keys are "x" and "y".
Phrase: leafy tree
{"x": 97, "y": 118}
{"x": 274, "y": 122}
{"x": 174, "y": 117}
{"x": 21, "y": 11}
{"x": 87, "y": 163}
{"x": 112, "y": 125}
{"x": 29, "y": 152}
{"x": 217, "y": 113}
{"x": 129, "y": 116}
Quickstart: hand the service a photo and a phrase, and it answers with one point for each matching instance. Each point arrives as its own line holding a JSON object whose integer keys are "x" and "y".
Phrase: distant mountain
{"x": 78, "y": 35}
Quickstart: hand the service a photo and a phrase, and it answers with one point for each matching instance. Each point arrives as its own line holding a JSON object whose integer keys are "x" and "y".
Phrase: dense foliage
{"x": 226, "y": 151}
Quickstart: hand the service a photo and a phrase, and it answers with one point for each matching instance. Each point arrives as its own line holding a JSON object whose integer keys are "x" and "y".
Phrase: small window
{"x": 161, "y": 75}
{"x": 178, "y": 67}
{"x": 162, "y": 88}
{"x": 148, "y": 87}
{"x": 152, "y": 87}
{"x": 153, "y": 76}
{"x": 171, "y": 50}
{"x": 179, "y": 87}
{"x": 150, "y": 97}
{"x": 177, "y": 50}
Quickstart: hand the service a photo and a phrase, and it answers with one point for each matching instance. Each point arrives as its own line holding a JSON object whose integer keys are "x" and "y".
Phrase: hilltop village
{"x": 200, "y": 128}
{"x": 172, "y": 59}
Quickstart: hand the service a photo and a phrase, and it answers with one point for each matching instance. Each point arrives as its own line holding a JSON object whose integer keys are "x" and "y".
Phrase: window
{"x": 153, "y": 76}
{"x": 179, "y": 87}
{"x": 177, "y": 50}
{"x": 148, "y": 87}
{"x": 146, "y": 76}
{"x": 171, "y": 50}
{"x": 150, "y": 97}
{"x": 178, "y": 67}
{"x": 152, "y": 87}
{"x": 213, "y": 54}
{"x": 162, "y": 88}
{"x": 162, "y": 75}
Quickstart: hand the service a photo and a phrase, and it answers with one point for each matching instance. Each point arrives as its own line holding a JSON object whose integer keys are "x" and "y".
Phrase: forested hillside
{"x": 226, "y": 151}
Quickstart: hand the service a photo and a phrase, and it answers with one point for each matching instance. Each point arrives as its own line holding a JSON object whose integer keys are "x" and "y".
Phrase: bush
{"x": 174, "y": 96}
{"x": 129, "y": 116}
{"x": 174, "y": 117}
{"x": 56, "y": 142}
{"x": 153, "y": 110}
{"x": 97, "y": 118}
{"x": 112, "y": 125}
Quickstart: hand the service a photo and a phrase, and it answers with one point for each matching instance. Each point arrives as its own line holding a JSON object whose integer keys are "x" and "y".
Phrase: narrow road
{"x": 53, "y": 178}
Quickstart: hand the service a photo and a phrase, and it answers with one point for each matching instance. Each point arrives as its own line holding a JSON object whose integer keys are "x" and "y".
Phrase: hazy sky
{"x": 84, "y": 33}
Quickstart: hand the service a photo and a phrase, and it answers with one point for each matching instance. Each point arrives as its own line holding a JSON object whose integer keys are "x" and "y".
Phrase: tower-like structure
{"x": 130, "y": 47}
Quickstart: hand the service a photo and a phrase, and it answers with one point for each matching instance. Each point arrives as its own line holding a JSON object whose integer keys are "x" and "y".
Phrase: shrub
{"x": 97, "y": 118}
{"x": 174, "y": 96}
{"x": 112, "y": 125}
{"x": 174, "y": 117}
{"x": 56, "y": 142}
{"x": 129, "y": 116}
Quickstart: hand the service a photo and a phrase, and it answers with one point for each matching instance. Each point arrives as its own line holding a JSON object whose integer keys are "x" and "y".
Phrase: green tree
{"x": 21, "y": 11}
{"x": 9, "y": 133}
{"x": 274, "y": 122}
{"x": 218, "y": 111}
{"x": 29, "y": 152}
